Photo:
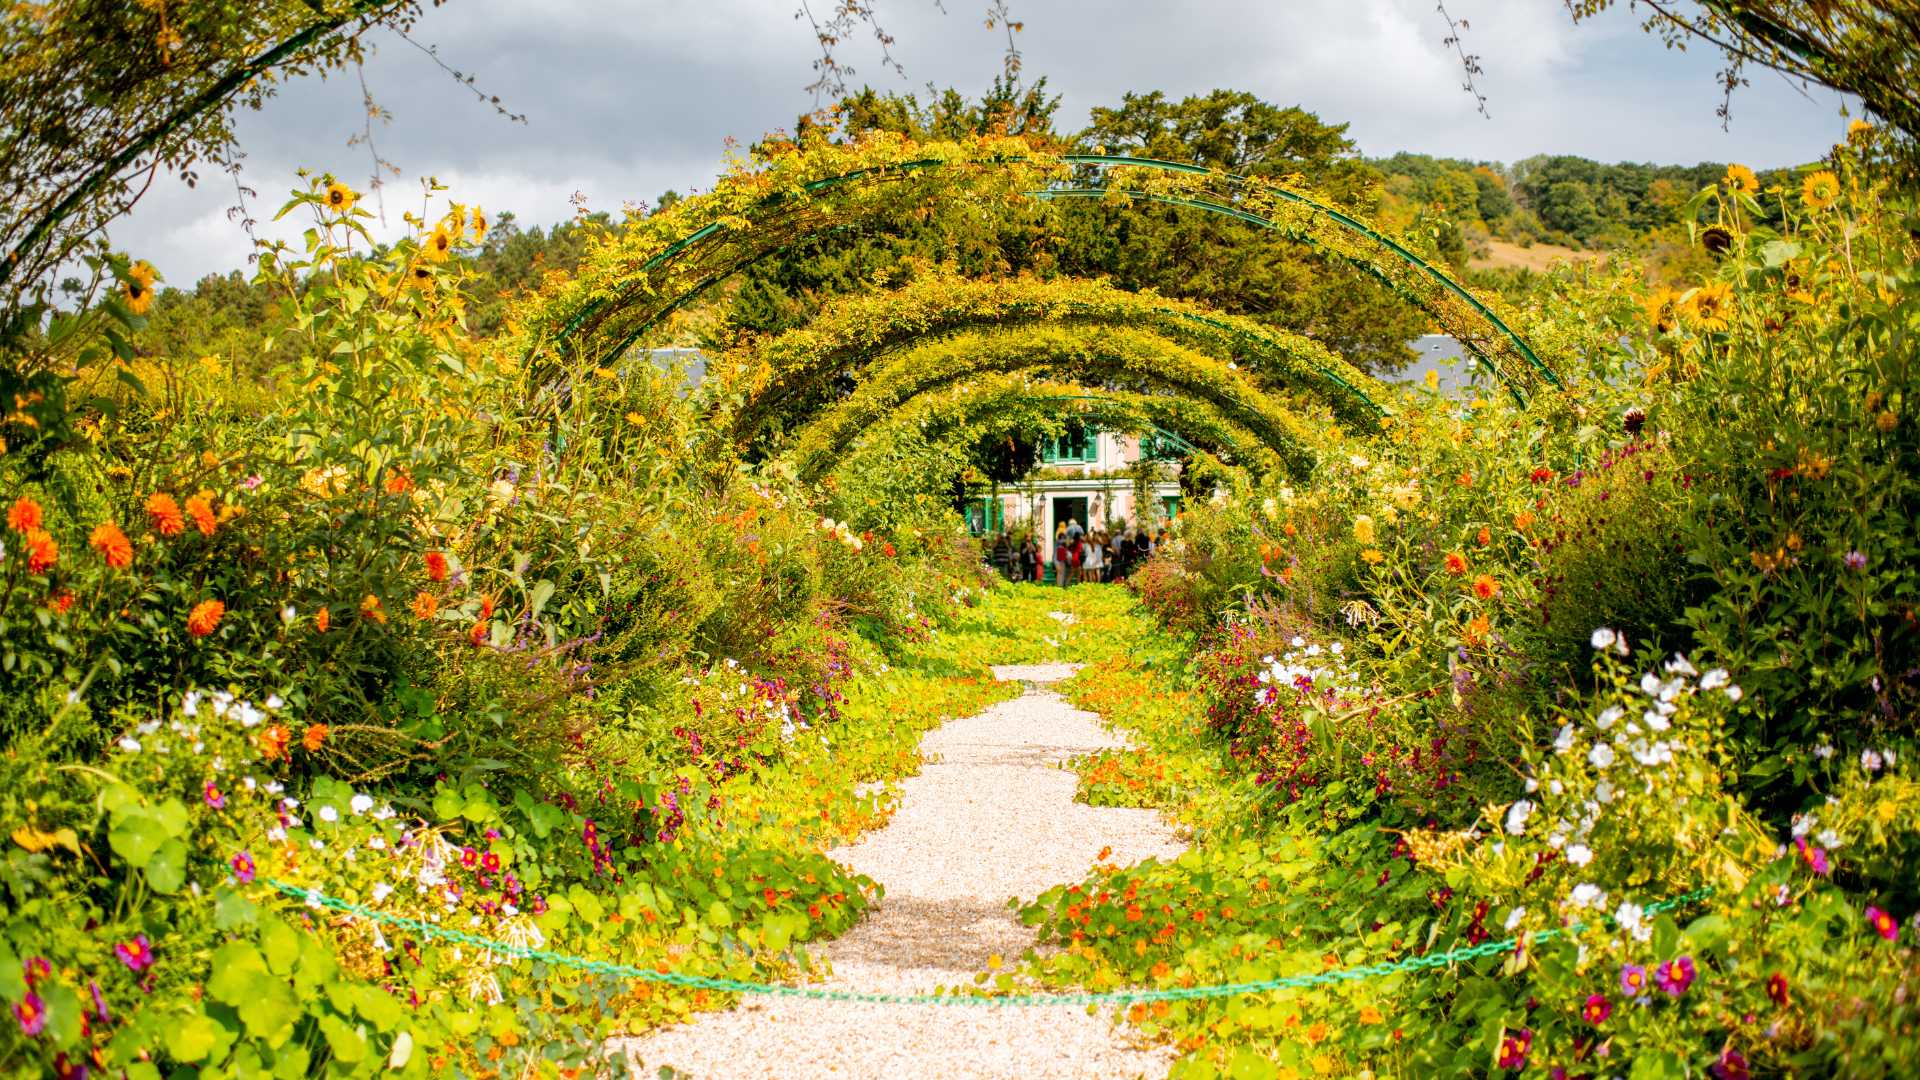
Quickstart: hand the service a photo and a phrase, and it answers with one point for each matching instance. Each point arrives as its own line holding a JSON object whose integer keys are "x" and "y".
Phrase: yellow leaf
{"x": 35, "y": 840}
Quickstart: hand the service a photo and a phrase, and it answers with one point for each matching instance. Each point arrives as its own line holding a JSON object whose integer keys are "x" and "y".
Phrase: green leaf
{"x": 232, "y": 910}
{"x": 237, "y": 968}
{"x": 136, "y": 836}
{"x": 402, "y": 1051}
{"x": 349, "y": 1043}
{"x": 718, "y": 915}
{"x": 195, "y": 1037}
{"x": 282, "y": 945}
{"x": 167, "y": 870}
{"x": 542, "y": 593}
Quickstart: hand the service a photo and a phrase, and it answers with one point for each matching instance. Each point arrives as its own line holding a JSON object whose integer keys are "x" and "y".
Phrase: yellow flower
{"x": 1709, "y": 307}
{"x": 1886, "y": 422}
{"x": 439, "y": 244}
{"x": 1663, "y": 311}
{"x": 1372, "y": 556}
{"x": 1741, "y": 179}
{"x": 1363, "y": 530}
{"x": 1858, "y": 130}
{"x": 1433, "y": 379}
{"x": 635, "y": 419}
{"x": 479, "y": 223}
{"x": 340, "y": 197}
{"x": 139, "y": 286}
{"x": 1820, "y": 191}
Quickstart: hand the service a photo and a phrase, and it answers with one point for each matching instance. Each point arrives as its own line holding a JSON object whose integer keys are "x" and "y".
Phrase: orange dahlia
{"x": 321, "y": 620}
{"x": 436, "y": 566}
{"x": 1456, "y": 563}
{"x": 42, "y": 552}
{"x": 314, "y": 737}
{"x": 165, "y": 515}
{"x": 200, "y": 508}
{"x": 112, "y": 544}
{"x": 205, "y": 617}
{"x": 425, "y": 604}
{"x": 1485, "y": 587}
{"x": 24, "y": 515}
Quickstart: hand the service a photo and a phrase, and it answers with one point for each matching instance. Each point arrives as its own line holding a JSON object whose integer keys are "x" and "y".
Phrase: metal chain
{"x": 316, "y": 898}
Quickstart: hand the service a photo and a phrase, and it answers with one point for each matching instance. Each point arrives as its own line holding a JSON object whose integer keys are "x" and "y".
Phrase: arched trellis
{"x": 656, "y": 263}
{"x": 1133, "y": 358}
{"x": 1008, "y": 403}
{"x": 857, "y": 330}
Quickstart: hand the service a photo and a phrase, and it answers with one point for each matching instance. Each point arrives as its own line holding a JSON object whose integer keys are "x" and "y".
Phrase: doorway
{"x": 1065, "y": 509}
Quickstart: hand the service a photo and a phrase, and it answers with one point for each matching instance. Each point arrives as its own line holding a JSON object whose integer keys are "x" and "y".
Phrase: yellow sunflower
{"x": 479, "y": 223}
{"x": 1858, "y": 130}
{"x": 420, "y": 277}
{"x": 1820, "y": 191}
{"x": 439, "y": 244}
{"x": 139, "y": 286}
{"x": 1663, "y": 311}
{"x": 340, "y": 197}
{"x": 1742, "y": 179}
{"x": 1709, "y": 307}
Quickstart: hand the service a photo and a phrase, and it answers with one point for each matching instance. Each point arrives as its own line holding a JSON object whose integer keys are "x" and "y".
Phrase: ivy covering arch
{"x": 659, "y": 261}
{"x": 1021, "y": 402}
{"x": 859, "y": 330}
{"x": 1133, "y": 358}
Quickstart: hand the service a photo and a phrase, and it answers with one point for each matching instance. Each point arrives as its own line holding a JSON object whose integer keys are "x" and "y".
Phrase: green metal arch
{"x": 1395, "y": 249}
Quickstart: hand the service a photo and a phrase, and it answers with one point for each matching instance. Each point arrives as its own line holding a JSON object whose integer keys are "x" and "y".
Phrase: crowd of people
{"x": 1078, "y": 555}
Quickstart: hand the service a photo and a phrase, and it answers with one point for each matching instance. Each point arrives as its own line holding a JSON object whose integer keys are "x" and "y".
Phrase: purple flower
{"x": 32, "y": 1014}
{"x": 36, "y": 968}
{"x": 213, "y": 797}
{"x": 1633, "y": 980}
{"x": 1731, "y": 1066}
{"x": 136, "y": 954}
{"x": 68, "y": 1069}
{"x": 1675, "y": 976}
{"x": 242, "y": 864}
{"x": 1883, "y": 923}
{"x": 469, "y": 857}
{"x": 1856, "y": 561}
{"x": 100, "y": 1003}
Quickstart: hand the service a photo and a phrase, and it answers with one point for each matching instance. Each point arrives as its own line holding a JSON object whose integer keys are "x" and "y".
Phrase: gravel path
{"x": 991, "y": 816}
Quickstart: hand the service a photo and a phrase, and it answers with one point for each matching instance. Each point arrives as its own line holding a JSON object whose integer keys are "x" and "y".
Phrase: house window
{"x": 1079, "y": 444}
{"x": 984, "y": 516}
{"x": 1170, "y": 506}
{"x": 1157, "y": 447}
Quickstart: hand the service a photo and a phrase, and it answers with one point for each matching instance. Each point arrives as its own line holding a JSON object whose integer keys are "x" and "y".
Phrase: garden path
{"x": 990, "y": 816}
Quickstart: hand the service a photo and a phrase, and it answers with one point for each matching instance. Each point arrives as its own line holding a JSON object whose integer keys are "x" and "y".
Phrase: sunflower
{"x": 479, "y": 224}
{"x": 1820, "y": 191}
{"x": 1717, "y": 239}
{"x": 1709, "y": 307}
{"x": 139, "y": 285}
{"x": 439, "y": 244}
{"x": 1742, "y": 179}
{"x": 340, "y": 197}
{"x": 420, "y": 277}
{"x": 1858, "y": 130}
{"x": 1663, "y": 311}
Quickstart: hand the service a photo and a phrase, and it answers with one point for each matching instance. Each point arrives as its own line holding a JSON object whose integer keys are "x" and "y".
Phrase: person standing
{"x": 1095, "y": 561}
{"x": 1029, "y": 559}
{"x": 1063, "y": 561}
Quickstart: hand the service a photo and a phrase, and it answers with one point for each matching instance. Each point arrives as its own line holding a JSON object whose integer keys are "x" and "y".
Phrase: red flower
{"x": 1514, "y": 1048}
{"x": 1597, "y": 1009}
{"x": 1456, "y": 563}
{"x": 1777, "y": 990}
{"x": 436, "y": 566}
{"x": 24, "y": 515}
{"x": 112, "y": 544}
{"x": 1485, "y": 587}
{"x": 205, "y": 617}
{"x": 1542, "y": 475}
{"x": 61, "y": 601}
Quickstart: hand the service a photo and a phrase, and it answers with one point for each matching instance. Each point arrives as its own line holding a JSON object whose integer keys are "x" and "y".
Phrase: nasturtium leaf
{"x": 194, "y": 1037}
{"x": 167, "y": 870}
{"x": 135, "y": 836}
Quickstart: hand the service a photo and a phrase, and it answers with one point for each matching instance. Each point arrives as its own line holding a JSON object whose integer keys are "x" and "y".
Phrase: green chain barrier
{"x": 315, "y": 898}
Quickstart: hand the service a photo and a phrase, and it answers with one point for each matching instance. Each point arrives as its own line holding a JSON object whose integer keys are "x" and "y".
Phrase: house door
{"x": 1067, "y": 509}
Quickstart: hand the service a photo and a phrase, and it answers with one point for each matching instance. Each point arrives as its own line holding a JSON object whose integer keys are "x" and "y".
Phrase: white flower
{"x": 1586, "y": 894}
{"x": 275, "y": 702}
{"x": 1655, "y": 721}
{"x": 1679, "y": 665}
{"x": 190, "y": 703}
{"x": 1604, "y": 638}
{"x": 288, "y": 614}
{"x": 1715, "y": 679}
{"x": 1563, "y": 742}
{"x": 1608, "y": 717}
{"x": 250, "y": 783}
{"x": 1650, "y": 684}
{"x": 1600, "y": 756}
{"x": 1870, "y": 760}
{"x": 380, "y": 891}
{"x": 313, "y": 898}
{"x": 276, "y": 834}
{"x": 130, "y": 744}
{"x": 1579, "y": 855}
{"x": 377, "y": 843}
{"x": 1514, "y": 917}
{"x": 317, "y": 845}
{"x": 383, "y": 813}
{"x": 249, "y": 716}
{"x": 1603, "y": 791}
{"x": 329, "y": 814}
{"x": 1781, "y": 894}
{"x": 1828, "y": 839}
{"x": 1298, "y": 642}
{"x": 1631, "y": 918}
{"x": 360, "y": 804}
{"x": 1734, "y": 693}
{"x": 1517, "y": 816}
{"x": 1802, "y": 825}
{"x": 1823, "y": 751}
{"x": 1336, "y": 648}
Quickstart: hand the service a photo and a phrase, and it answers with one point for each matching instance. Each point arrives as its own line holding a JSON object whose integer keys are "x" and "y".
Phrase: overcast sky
{"x": 627, "y": 98}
